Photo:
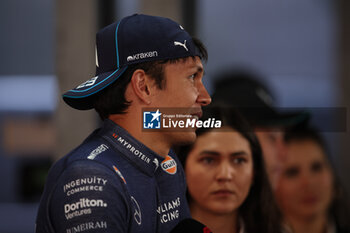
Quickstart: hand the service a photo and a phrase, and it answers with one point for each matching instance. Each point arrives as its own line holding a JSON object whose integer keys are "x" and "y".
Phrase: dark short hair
{"x": 258, "y": 211}
{"x": 112, "y": 99}
{"x": 306, "y": 133}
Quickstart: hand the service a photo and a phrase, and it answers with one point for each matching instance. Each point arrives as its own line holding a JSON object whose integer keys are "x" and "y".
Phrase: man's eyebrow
{"x": 197, "y": 68}
{"x": 201, "y": 70}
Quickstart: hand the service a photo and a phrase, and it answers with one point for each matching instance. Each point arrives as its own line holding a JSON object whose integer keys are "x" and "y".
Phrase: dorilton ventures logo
{"x": 176, "y": 119}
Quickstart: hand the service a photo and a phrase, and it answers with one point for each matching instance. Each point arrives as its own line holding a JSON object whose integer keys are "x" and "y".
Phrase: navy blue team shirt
{"x": 113, "y": 183}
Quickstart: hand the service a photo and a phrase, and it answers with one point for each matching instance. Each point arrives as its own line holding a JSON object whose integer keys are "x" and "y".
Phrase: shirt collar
{"x": 137, "y": 153}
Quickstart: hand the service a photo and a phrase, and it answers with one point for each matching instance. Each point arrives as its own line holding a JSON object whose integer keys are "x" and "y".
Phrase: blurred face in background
{"x": 219, "y": 172}
{"x": 305, "y": 187}
{"x": 273, "y": 147}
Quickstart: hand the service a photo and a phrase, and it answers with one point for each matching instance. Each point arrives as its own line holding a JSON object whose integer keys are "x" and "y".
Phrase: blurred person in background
{"x": 244, "y": 90}
{"x": 228, "y": 188}
{"x": 115, "y": 180}
{"x": 308, "y": 191}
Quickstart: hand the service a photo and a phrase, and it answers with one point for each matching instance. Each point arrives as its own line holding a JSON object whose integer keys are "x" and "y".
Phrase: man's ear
{"x": 141, "y": 85}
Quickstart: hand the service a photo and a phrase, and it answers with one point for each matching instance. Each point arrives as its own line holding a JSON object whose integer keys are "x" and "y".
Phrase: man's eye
{"x": 192, "y": 76}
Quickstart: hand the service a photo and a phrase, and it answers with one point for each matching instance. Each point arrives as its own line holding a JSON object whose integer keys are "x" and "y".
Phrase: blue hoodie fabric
{"x": 113, "y": 183}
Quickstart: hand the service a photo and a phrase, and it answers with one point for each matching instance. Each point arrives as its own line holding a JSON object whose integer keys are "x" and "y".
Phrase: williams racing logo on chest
{"x": 169, "y": 165}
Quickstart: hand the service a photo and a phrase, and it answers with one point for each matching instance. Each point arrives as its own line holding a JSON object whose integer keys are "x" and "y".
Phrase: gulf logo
{"x": 169, "y": 165}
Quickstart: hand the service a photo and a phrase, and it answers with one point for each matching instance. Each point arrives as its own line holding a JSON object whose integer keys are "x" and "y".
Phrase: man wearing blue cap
{"x": 121, "y": 178}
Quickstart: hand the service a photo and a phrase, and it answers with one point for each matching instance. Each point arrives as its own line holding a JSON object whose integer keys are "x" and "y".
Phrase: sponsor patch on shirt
{"x": 86, "y": 226}
{"x": 84, "y": 184}
{"x": 82, "y": 207}
{"x": 169, "y": 165}
{"x": 97, "y": 151}
{"x": 119, "y": 174}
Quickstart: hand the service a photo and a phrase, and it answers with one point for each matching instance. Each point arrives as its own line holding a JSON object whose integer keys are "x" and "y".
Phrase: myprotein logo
{"x": 138, "y": 56}
{"x": 131, "y": 148}
{"x": 169, "y": 165}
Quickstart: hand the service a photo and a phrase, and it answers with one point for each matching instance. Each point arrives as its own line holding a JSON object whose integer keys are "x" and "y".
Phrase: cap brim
{"x": 82, "y": 96}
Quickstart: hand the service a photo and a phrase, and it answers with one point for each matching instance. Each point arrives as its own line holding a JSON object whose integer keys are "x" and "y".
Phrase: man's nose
{"x": 203, "y": 97}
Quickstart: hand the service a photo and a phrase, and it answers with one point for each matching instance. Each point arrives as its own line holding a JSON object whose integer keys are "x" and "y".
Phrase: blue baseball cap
{"x": 135, "y": 39}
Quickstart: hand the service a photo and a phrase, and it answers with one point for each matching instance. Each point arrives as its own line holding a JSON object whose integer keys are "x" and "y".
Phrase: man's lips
{"x": 197, "y": 114}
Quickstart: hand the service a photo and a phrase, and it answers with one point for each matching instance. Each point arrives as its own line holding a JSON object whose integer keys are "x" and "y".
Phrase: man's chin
{"x": 185, "y": 138}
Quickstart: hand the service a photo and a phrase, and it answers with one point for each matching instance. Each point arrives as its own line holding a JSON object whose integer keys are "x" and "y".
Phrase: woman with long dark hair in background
{"x": 308, "y": 192}
{"x": 228, "y": 188}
